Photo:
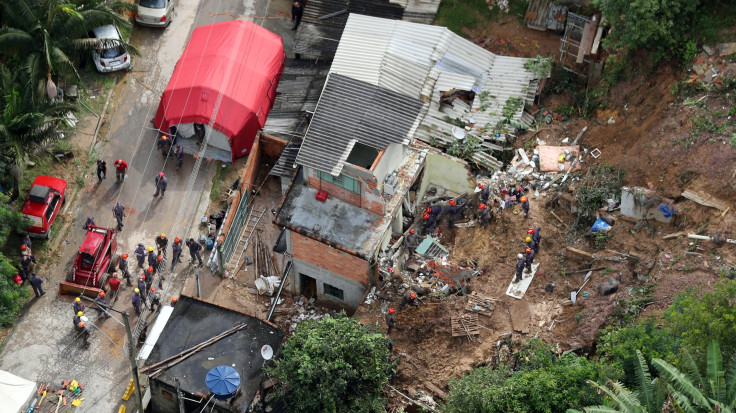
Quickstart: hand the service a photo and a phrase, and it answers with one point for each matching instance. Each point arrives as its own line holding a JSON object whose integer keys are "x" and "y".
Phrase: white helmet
{"x": 519, "y": 256}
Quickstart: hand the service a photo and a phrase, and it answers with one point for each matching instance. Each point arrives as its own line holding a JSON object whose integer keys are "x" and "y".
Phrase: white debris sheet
{"x": 517, "y": 290}
{"x": 15, "y": 392}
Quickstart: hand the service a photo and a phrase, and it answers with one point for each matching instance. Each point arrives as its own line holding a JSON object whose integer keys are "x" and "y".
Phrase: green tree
{"x": 334, "y": 365}
{"x": 662, "y": 26}
{"x": 619, "y": 345}
{"x": 699, "y": 316}
{"x": 649, "y": 397}
{"x": 553, "y": 388}
{"x": 12, "y": 296}
{"x": 23, "y": 123}
{"x": 687, "y": 391}
{"x": 49, "y": 34}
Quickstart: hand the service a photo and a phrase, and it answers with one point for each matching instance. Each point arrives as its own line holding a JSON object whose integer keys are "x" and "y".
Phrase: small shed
{"x": 193, "y": 322}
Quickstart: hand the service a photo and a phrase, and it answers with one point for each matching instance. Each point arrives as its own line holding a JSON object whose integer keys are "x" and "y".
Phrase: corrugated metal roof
{"x": 285, "y": 165}
{"x": 352, "y": 111}
{"x": 420, "y": 61}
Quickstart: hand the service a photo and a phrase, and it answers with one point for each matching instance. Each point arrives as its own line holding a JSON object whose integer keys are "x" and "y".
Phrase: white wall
{"x": 448, "y": 172}
{"x": 629, "y": 208}
{"x": 391, "y": 159}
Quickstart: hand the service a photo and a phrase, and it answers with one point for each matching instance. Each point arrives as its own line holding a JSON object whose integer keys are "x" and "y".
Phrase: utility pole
{"x": 133, "y": 364}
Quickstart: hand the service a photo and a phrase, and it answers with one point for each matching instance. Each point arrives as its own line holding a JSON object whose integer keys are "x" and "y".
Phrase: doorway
{"x": 309, "y": 286}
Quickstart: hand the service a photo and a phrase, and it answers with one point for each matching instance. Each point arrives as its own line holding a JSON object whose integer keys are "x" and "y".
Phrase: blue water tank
{"x": 223, "y": 382}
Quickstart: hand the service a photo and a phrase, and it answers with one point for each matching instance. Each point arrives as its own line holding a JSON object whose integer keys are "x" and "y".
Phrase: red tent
{"x": 238, "y": 59}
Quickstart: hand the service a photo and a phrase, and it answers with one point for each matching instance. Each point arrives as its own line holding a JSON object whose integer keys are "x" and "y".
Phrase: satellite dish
{"x": 266, "y": 352}
{"x": 458, "y": 133}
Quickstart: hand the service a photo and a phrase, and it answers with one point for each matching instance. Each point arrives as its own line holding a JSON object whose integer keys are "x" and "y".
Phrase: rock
{"x": 611, "y": 120}
{"x": 699, "y": 69}
{"x": 608, "y": 288}
{"x": 725, "y": 49}
{"x": 708, "y": 50}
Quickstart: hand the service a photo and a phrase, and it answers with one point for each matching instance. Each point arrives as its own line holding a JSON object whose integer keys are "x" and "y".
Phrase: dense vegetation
{"x": 334, "y": 365}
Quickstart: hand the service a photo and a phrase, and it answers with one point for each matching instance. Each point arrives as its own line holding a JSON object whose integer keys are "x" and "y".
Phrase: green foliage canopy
{"x": 550, "y": 389}
{"x": 699, "y": 316}
{"x": 619, "y": 345}
{"x": 662, "y": 26}
{"x": 334, "y": 365}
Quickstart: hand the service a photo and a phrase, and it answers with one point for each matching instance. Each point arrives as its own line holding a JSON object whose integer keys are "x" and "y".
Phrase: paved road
{"x": 42, "y": 347}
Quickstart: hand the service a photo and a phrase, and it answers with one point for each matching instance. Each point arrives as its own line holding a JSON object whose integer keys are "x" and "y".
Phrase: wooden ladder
{"x": 254, "y": 217}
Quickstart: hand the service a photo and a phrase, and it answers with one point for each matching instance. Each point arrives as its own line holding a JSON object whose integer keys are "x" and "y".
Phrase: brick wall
{"x": 359, "y": 200}
{"x": 331, "y": 259}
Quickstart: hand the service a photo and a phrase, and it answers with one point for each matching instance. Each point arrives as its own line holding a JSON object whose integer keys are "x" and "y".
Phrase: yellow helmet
{"x": 528, "y": 239}
{"x": 137, "y": 291}
{"x": 79, "y": 313}
{"x": 150, "y": 249}
{"x": 77, "y": 299}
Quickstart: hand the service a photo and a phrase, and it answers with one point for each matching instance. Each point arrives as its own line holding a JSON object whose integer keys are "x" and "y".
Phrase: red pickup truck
{"x": 43, "y": 204}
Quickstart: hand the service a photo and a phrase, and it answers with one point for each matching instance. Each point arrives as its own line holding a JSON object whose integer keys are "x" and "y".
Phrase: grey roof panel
{"x": 285, "y": 165}
{"x": 353, "y": 110}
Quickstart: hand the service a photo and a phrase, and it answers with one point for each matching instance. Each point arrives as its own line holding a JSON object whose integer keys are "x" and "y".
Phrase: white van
{"x": 109, "y": 57}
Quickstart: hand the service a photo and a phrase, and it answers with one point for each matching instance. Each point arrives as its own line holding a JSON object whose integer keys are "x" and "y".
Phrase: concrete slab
{"x": 520, "y": 316}
{"x": 549, "y": 156}
{"x": 517, "y": 290}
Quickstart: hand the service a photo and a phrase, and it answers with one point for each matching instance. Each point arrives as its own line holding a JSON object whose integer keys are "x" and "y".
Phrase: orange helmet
{"x": 163, "y": 235}
{"x": 102, "y": 294}
{"x": 426, "y": 216}
{"x": 174, "y": 299}
{"x": 176, "y": 239}
{"x": 411, "y": 231}
{"x": 153, "y": 289}
{"x": 428, "y": 210}
{"x": 482, "y": 206}
{"x": 523, "y": 199}
{"x": 530, "y": 231}
{"x": 150, "y": 269}
{"x": 160, "y": 258}
{"x": 391, "y": 311}
{"x": 452, "y": 202}
{"x": 125, "y": 256}
{"x": 528, "y": 250}
{"x": 164, "y": 138}
{"x": 160, "y": 174}
{"x": 143, "y": 277}
{"x": 81, "y": 324}
{"x": 23, "y": 247}
{"x": 480, "y": 185}
{"x": 413, "y": 296}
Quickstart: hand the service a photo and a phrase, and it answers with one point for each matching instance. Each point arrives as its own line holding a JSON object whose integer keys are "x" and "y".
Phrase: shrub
{"x": 334, "y": 365}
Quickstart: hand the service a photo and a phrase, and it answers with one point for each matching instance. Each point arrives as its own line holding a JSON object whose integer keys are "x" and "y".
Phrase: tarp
{"x": 238, "y": 59}
{"x": 15, "y": 392}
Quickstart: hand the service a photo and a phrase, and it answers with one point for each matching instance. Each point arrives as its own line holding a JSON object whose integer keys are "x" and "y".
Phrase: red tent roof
{"x": 237, "y": 58}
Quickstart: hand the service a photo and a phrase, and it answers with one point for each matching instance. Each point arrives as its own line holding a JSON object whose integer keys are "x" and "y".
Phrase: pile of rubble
{"x": 712, "y": 65}
{"x": 303, "y": 310}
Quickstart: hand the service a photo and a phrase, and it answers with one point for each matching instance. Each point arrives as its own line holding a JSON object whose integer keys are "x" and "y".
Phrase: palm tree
{"x": 24, "y": 123}
{"x": 716, "y": 392}
{"x": 649, "y": 398}
{"x": 687, "y": 392}
{"x": 49, "y": 34}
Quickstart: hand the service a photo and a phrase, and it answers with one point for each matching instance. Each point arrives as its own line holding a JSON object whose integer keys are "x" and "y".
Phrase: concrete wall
{"x": 389, "y": 161}
{"x": 630, "y": 208}
{"x": 366, "y": 199}
{"x": 448, "y": 172}
{"x": 327, "y": 265}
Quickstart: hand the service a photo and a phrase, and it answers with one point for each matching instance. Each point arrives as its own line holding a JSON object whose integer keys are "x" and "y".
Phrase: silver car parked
{"x": 155, "y": 13}
{"x": 109, "y": 56}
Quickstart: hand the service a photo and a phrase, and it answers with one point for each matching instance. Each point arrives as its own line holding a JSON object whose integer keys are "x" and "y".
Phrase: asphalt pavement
{"x": 42, "y": 345}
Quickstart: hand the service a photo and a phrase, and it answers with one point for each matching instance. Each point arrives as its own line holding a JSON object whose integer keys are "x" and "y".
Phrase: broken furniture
{"x": 480, "y": 304}
{"x": 465, "y": 325}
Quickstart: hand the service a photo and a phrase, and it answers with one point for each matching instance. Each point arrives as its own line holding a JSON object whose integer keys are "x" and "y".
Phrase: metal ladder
{"x": 254, "y": 217}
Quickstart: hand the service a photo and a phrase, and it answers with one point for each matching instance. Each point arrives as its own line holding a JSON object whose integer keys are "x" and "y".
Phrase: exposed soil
{"x": 647, "y": 142}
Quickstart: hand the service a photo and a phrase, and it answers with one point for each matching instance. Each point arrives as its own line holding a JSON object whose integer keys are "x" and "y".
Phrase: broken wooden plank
{"x": 436, "y": 390}
{"x": 705, "y": 199}
{"x": 480, "y": 304}
{"x": 675, "y": 235}
{"x": 558, "y": 218}
{"x": 464, "y": 325}
{"x": 587, "y": 270}
{"x": 725, "y": 212}
{"x": 580, "y": 254}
